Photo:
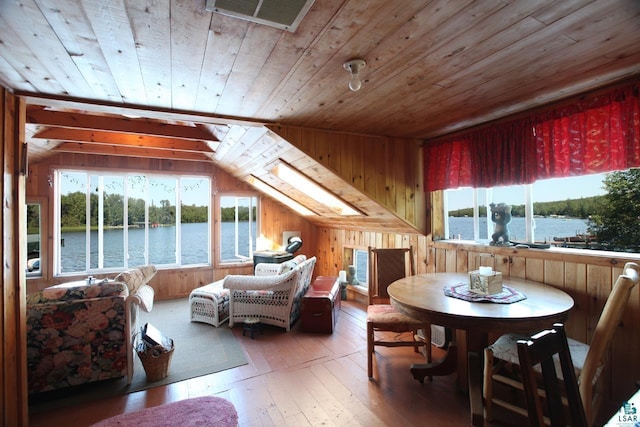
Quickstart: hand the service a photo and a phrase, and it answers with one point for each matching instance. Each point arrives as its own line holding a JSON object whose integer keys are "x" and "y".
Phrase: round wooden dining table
{"x": 422, "y": 296}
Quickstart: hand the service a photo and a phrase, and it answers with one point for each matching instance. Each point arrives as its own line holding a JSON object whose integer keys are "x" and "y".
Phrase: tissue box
{"x": 485, "y": 284}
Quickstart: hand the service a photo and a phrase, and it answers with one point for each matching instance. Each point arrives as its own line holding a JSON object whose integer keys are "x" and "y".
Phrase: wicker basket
{"x": 155, "y": 361}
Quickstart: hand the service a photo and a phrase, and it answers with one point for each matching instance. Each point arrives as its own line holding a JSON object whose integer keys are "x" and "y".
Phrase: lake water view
{"x": 545, "y": 230}
{"x": 194, "y": 242}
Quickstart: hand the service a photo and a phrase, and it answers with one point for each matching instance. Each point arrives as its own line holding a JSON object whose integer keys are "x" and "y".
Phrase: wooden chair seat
{"x": 505, "y": 349}
{"x": 388, "y": 318}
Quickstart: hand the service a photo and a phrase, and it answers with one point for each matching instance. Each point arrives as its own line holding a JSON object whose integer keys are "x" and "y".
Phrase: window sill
{"x": 594, "y": 256}
{"x": 359, "y": 294}
{"x": 235, "y": 264}
{"x": 359, "y": 290}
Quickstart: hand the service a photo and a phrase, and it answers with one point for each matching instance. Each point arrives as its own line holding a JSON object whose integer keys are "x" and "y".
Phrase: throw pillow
{"x": 292, "y": 263}
{"x": 146, "y": 293}
{"x": 299, "y": 259}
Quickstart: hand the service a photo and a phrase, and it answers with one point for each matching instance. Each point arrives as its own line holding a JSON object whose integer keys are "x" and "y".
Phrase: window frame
{"x": 98, "y": 175}
{"x": 42, "y": 202}
{"x": 349, "y": 258}
{"x": 365, "y": 254}
{"x": 483, "y": 197}
{"x": 241, "y": 259}
{"x": 536, "y": 217}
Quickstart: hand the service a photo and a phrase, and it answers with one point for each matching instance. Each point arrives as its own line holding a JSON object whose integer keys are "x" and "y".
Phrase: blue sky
{"x": 195, "y": 190}
{"x": 543, "y": 191}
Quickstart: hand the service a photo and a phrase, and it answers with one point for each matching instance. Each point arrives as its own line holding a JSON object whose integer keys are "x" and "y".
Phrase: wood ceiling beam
{"x": 112, "y": 150}
{"x": 157, "y": 113}
{"x": 130, "y": 140}
{"x": 112, "y": 124}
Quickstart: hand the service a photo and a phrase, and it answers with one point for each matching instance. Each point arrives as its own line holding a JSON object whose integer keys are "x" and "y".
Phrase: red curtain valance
{"x": 597, "y": 135}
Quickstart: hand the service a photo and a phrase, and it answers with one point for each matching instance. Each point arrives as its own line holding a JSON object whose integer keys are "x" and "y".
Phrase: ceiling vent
{"x": 283, "y": 14}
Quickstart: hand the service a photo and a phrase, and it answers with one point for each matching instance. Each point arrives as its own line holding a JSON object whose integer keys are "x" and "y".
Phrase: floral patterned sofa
{"x": 79, "y": 333}
{"x": 273, "y": 295}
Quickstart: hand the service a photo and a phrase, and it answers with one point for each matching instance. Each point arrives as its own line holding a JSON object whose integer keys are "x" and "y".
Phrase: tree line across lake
{"x": 572, "y": 208}
{"x": 73, "y": 212}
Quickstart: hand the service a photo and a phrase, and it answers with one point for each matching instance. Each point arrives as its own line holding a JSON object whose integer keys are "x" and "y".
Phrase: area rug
{"x": 200, "y": 411}
{"x": 199, "y": 349}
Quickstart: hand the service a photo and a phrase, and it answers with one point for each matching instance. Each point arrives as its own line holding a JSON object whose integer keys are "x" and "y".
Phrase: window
{"x": 361, "y": 258}
{"x": 549, "y": 211}
{"x": 34, "y": 239}
{"x": 238, "y": 227}
{"x": 167, "y": 221}
{"x": 356, "y": 262}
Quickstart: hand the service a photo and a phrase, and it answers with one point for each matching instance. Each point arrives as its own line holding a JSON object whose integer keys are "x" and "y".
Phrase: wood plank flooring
{"x": 299, "y": 379}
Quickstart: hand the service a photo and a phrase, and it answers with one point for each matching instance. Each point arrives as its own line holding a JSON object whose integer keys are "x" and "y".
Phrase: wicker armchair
{"x": 274, "y": 299}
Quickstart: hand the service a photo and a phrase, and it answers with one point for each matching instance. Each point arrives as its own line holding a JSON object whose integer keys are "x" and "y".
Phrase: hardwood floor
{"x": 300, "y": 379}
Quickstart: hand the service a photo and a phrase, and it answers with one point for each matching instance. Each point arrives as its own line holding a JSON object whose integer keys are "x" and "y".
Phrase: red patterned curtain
{"x": 495, "y": 155}
{"x": 592, "y": 136}
{"x": 447, "y": 164}
{"x": 600, "y": 134}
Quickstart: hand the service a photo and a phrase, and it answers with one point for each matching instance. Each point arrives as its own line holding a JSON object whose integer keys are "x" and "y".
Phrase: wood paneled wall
{"x": 13, "y": 377}
{"x": 331, "y": 244}
{"x": 168, "y": 283}
{"x": 587, "y": 276}
{"x": 386, "y": 170}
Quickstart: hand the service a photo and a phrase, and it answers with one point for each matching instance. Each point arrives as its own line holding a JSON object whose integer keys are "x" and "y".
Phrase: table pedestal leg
{"x": 445, "y": 366}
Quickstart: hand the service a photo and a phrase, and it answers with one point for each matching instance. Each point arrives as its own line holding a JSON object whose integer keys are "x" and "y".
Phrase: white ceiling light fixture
{"x": 354, "y": 66}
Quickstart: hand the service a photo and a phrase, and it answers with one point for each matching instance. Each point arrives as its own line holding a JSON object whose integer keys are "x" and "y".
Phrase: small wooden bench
{"x": 320, "y": 305}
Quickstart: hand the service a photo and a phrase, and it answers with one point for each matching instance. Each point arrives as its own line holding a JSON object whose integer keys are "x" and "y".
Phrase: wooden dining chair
{"x": 385, "y": 267}
{"x": 541, "y": 349}
{"x": 501, "y": 358}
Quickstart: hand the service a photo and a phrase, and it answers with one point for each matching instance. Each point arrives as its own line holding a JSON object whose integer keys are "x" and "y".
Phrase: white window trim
{"x": 101, "y": 173}
{"x": 242, "y": 259}
{"x": 488, "y": 192}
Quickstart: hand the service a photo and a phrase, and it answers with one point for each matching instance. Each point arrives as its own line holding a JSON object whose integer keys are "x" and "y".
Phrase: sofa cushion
{"x": 136, "y": 277}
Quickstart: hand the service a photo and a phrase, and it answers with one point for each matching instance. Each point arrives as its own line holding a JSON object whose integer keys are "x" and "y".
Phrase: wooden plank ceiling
{"x": 166, "y": 78}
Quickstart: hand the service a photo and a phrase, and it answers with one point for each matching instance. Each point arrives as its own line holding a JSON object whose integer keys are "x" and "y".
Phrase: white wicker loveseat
{"x": 273, "y": 295}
